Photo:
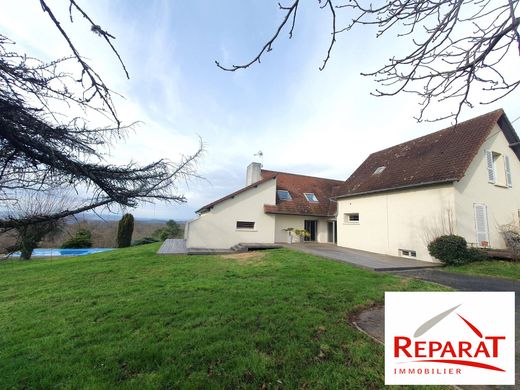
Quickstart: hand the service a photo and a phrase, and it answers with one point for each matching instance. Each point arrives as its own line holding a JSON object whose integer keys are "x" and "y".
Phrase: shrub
{"x": 511, "y": 235}
{"x": 144, "y": 241}
{"x": 450, "y": 249}
{"x": 82, "y": 239}
{"x": 125, "y": 230}
{"x": 171, "y": 230}
{"x": 476, "y": 254}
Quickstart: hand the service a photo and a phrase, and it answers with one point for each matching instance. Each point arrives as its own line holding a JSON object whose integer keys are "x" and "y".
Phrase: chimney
{"x": 253, "y": 173}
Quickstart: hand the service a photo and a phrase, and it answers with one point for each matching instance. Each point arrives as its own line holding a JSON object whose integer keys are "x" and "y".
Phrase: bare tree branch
{"x": 459, "y": 46}
{"x": 269, "y": 45}
{"x": 96, "y": 88}
{"x": 43, "y": 149}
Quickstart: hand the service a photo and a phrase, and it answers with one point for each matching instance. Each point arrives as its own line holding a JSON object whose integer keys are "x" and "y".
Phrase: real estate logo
{"x": 465, "y": 338}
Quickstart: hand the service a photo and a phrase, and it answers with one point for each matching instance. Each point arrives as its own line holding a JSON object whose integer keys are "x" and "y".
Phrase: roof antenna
{"x": 260, "y": 155}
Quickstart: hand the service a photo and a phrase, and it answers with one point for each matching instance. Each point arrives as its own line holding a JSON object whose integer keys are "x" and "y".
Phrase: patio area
{"x": 363, "y": 259}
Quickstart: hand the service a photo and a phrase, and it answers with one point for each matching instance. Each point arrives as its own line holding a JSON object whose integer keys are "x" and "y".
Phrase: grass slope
{"x": 132, "y": 319}
{"x": 500, "y": 268}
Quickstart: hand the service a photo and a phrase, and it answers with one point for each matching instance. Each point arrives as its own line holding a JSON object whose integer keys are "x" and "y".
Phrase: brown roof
{"x": 297, "y": 185}
{"x": 443, "y": 156}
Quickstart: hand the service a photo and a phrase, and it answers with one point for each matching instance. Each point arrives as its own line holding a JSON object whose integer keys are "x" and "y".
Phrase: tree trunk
{"x": 26, "y": 251}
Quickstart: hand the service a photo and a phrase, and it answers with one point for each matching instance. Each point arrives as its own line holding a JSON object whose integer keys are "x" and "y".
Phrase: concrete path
{"x": 372, "y": 321}
{"x": 173, "y": 246}
{"x": 369, "y": 260}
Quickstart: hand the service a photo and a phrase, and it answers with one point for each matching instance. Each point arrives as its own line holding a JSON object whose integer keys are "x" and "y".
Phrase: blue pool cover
{"x": 64, "y": 252}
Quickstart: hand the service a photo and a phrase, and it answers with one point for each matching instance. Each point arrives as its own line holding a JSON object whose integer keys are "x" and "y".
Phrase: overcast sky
{"x": 303, "y": 120}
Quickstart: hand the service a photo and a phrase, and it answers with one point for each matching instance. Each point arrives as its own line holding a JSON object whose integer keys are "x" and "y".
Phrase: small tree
{"x": 82, "y": 239}
{"x": 511, "y": 235}
{"x": 34, "y": 206}
{"x": 29, "y": 237}
{"x": 172, "y": 230}
{"x": 289, "y": 230}
{"x": 125, "y": 230}
{"x": 301, "y": 233}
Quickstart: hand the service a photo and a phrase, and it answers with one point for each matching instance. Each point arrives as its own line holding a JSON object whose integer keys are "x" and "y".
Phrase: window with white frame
{"x": 407, "y": 253}
{"x": 352, "y": 218}
{"x": 283, "y": 195}
{"x": 311, "y": 197}
{"x": 498, "y": 169}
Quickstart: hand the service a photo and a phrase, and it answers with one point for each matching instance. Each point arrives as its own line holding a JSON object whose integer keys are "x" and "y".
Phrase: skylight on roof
{"x": 283, "y": 195}
{"x": 379, "y": 170}
{"x": 311, "y": 197}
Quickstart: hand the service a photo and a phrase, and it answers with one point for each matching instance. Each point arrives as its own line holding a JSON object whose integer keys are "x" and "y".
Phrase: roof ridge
{"x": 299, "y": 174}
{"x": 441, "y": 130}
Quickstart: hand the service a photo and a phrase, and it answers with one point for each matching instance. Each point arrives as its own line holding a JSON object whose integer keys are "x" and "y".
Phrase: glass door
{"x": 312, "y": 228}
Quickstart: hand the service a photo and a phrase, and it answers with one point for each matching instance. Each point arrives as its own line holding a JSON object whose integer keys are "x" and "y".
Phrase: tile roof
{"x": 443, "y": 156}
{"x": 297, "y": 185}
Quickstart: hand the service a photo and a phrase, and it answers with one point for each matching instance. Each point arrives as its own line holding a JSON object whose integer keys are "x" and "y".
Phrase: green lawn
{"x": 132, "y": 319}
{"x": 504, "y": 269}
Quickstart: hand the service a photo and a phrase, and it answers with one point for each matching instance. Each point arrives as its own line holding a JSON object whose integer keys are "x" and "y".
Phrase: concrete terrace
{"x": 363, "y": 259}
{"x": 178, "y": 247}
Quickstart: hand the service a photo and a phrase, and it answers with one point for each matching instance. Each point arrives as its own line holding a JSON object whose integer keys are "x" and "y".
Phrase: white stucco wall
{"x": 502, "y": 203}
{"x": 404, "y": 219}
{"x": 216, "y": 229}
{"x": 297, "y": 222}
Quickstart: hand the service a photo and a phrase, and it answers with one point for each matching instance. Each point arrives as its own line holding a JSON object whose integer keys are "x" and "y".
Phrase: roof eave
{"x": 451, "y": 180}
{"x": 298, "y": 214}
{"x": 510, "y": 134}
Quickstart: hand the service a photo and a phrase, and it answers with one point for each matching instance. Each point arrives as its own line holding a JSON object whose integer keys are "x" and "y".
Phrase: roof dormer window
{"x": 283, "y": 195}
{"x": 311, "y": 197}
{"x": 379, "y": 170}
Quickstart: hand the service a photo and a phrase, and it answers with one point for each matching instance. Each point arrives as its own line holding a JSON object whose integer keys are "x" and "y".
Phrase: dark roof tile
{"x": 443, "y": 156}
{"x": 297, "y": 185}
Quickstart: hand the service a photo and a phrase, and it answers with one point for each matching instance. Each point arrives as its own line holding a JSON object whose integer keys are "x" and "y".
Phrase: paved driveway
{"x": 370, "y": 260}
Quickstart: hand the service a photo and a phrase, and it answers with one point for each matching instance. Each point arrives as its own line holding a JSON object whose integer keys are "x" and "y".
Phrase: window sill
{"x": 350, "y": 223}
{"x": 246, "y": 230}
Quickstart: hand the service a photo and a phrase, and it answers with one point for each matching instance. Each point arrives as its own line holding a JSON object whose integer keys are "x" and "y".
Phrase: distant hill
{"x": 103, "y": 231}
{"x": 117, "y": 217}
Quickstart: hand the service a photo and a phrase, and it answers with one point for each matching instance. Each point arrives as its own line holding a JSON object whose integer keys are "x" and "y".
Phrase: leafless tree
{"x": 35, "y": 206}
{"x": 42, "y": 148}
{"x": 458, "y": 46}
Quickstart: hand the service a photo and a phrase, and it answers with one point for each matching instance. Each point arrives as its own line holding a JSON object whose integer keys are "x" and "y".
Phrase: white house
{"x": 463, "y": 180}
{"x": 259, "y": 213}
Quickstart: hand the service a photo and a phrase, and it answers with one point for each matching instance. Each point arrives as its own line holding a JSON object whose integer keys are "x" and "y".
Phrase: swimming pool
{"x": 54, "y": 252}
